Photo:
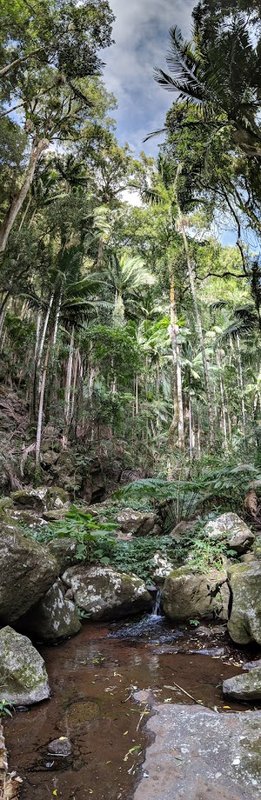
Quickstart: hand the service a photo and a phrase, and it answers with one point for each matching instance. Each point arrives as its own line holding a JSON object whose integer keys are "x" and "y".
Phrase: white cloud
{"x": 141, "y": 41}
{"x": 132, "y": 197}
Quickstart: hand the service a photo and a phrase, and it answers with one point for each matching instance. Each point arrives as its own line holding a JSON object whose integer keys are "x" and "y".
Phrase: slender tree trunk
{"x": 75, "y": 373}
{"x": 41, "y": 408}
{"x": 222, "y": 399}
{"x": 44, "y": 331}
{"x": 39, "y": 347}
{"x": 17, "y": 202}
{"x": 25, "y": 213}
{"x": 137, "y": 395}
{"x": 191, "y": 431}
{"x": 3, "y": 309}
{"x": 174, "y": 334}
{"x": 241, "y": 384}
{"x": 67, "y": 395}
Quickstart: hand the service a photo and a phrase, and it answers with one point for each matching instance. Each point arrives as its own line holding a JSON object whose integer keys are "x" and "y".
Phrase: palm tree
{"x": 216, "y": 76}
{"x": 126, "y": 277}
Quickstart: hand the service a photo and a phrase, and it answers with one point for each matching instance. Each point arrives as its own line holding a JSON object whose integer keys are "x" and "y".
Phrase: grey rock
{"x": 27, "y": 570}
{"x": 30, "y": 498}
{"x": 189, "y": 594}
{"x": 23, "y": 676}
{"x": 244, "y": 625}
{"x": 60, "y": 747}
{"x": 54, "y": 617}
{"x": 253, "y": 664}
{"x": 104, "y": 593}
{"x": 197, "y": 754}
{"x": 139, "y": 523}
{"x": 233, "y": 530}
{"x": 64, "y": 550}
{"x": 244, "y": 687}
{"x": 161, "y": 568}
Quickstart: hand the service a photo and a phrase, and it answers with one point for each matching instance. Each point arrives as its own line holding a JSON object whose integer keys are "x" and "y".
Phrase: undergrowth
{"x": 99, "y": 546}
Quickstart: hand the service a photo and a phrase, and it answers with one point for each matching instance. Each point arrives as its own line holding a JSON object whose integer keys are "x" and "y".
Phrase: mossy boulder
{"x": 231, "y": 529}
{"x": 244, "y": 687}
{"x": 27, "y": 570}
{"x": 191, "y": 594}
{"x": 53, "y": 618}
{"x": 30, "y": 498}
{"x": 23, "y": 676}
{"x": 244, "y": 625}
{"x": 104, "y": 593}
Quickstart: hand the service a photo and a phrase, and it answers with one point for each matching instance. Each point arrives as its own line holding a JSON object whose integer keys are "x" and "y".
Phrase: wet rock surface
{"x": 60, "y": 747}
{"x": 23, "y": 676}
{"x": 198, "y": 754}
{"x": 245, "y": 687}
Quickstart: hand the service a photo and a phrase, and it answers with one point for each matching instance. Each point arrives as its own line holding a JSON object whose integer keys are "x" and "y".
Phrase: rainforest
{"x": 130, "y": 400}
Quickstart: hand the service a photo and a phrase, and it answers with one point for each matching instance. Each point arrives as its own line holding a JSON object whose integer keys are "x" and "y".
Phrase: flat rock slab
{"x": 198, "y": 754}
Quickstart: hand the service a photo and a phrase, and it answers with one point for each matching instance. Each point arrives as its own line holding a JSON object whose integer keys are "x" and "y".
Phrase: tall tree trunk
{"x": 174, "y": 334}
{"x": 241, "y": 383}
{"x": 17, "y": 202}
{"x": 3, "y": 309}
{"x": 39, "y": 347}
{"x": 137, "y": 395}
{"x": 67, "y": 395}
{"x": 223, "y": 405}
{"x": 191, "y": 430}
{"x": 41, "y": 408}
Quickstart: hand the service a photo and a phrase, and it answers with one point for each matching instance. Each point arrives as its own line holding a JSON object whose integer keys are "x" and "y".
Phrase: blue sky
{"x": 141, "y": 42}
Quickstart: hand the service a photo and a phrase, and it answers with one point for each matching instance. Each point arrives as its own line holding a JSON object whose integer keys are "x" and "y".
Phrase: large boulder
{"x": 53, "y": 618}
{"x": 244, "y": 625}
{"x": 188, "y": 594}
{"x": 30, "y": 498}
{"x": 27, "y": 570}
{"x": 244, "y": 687}
{"x": 231, "y": 529}
{"x": 196, "y": 754}
{"x": 23, "y": 677}
{"x": 103, "y": 593}
{"x": 41, "y": 499}
{"x": 138, "y": 523}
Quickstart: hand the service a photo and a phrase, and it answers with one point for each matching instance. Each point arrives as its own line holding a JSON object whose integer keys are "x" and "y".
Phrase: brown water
{"x": 92, "y": 678}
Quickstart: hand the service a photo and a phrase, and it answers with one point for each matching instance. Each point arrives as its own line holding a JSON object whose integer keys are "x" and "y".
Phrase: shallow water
{"x": 92, "y": 678}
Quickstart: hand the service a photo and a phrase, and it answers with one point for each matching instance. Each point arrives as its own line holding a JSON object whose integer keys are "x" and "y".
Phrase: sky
{"x": 141, "y": 34}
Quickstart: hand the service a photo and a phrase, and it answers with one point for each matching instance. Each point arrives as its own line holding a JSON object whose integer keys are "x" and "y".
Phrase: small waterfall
{"x": 157, "y": 604}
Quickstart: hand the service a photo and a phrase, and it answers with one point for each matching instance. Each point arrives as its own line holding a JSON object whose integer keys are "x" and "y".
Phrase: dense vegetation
{"x": 129, "y": 329}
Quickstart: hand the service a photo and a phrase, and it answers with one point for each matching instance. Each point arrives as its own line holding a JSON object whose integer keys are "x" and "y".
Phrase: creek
{"x": 92, "y": 678}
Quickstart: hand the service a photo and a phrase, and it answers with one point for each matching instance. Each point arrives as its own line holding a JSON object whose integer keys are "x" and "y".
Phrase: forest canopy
{"x": 129, "y": 327}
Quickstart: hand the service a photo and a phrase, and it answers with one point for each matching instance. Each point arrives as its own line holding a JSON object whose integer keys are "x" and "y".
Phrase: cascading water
{"x": 157, "y": 605}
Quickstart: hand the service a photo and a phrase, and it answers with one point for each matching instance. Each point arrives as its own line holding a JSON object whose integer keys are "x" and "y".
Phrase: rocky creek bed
{"x": 93, "y": 680}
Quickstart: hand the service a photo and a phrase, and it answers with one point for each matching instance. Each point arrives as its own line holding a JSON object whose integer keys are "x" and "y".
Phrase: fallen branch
{"x": 176, "y": 686}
